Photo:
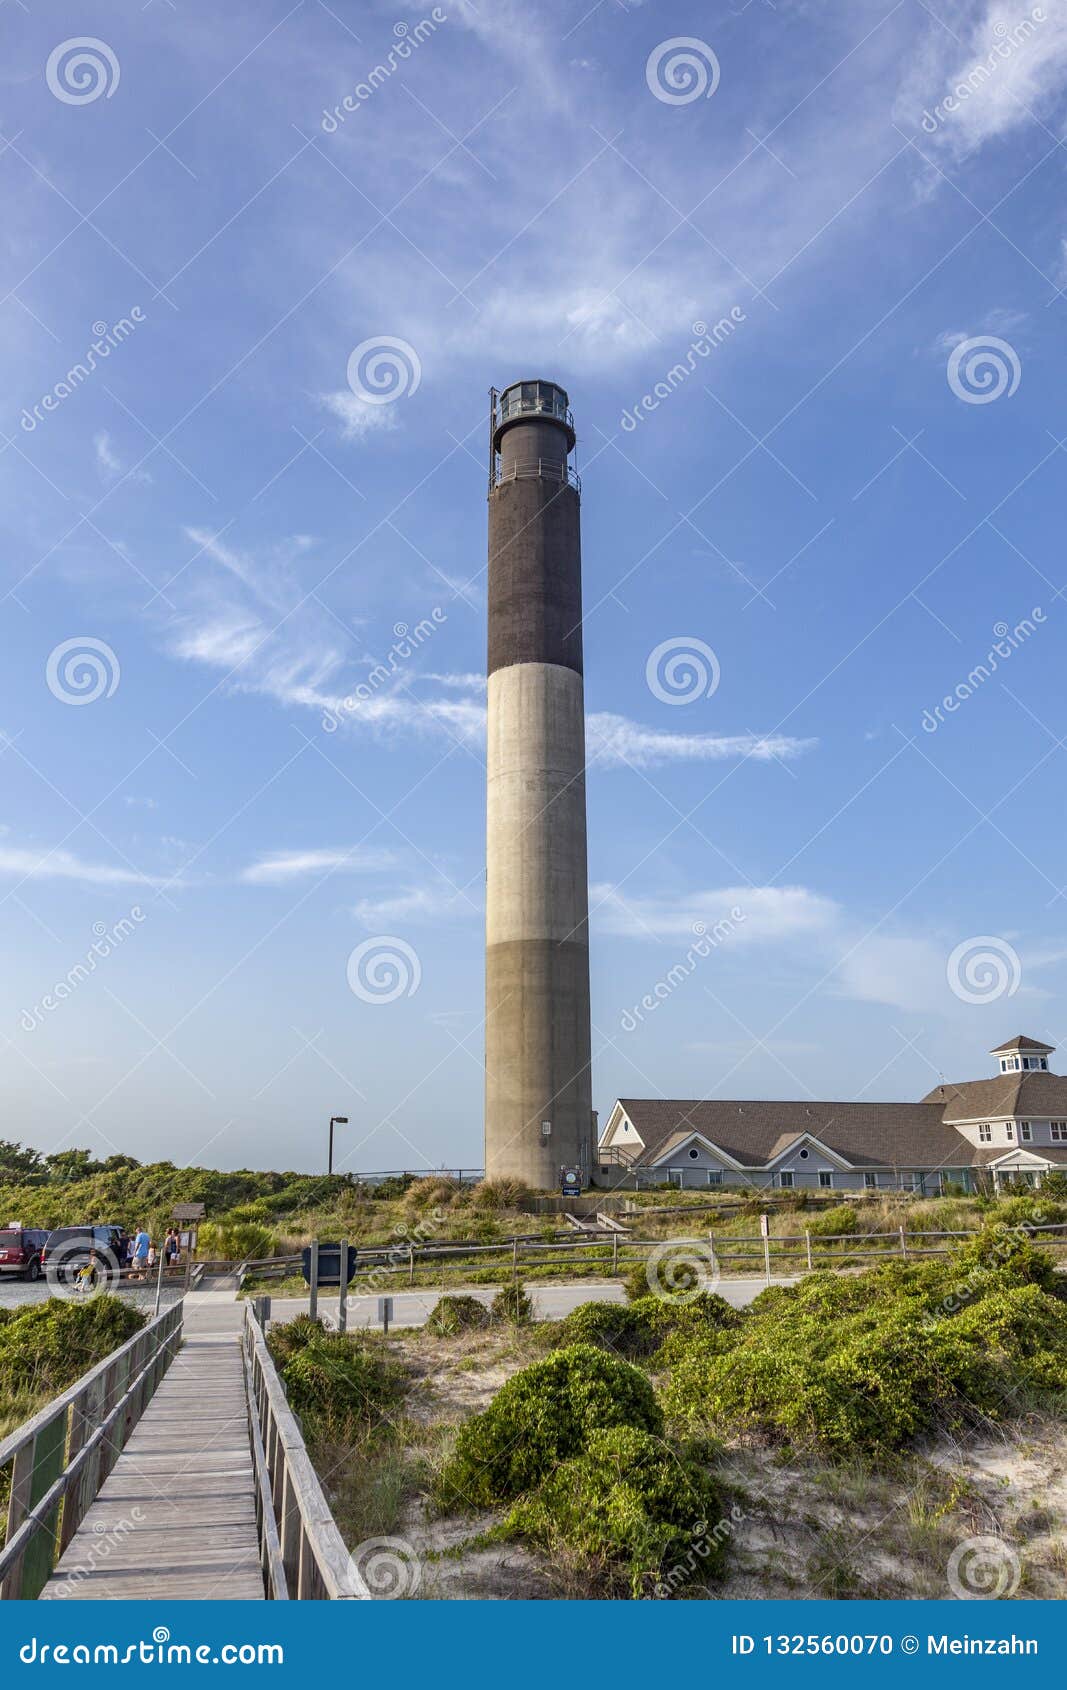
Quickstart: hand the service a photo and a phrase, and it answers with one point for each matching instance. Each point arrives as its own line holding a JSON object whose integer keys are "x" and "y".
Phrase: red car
{"x": 20, "y": 1250}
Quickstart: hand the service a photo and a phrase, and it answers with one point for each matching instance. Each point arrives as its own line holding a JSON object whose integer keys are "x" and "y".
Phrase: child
{"x": 85, "y": 1279}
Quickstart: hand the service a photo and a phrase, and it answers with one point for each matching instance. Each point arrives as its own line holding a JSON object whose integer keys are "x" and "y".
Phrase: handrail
{"x": 551, "y": 469}
{"x": 61, "y": 1456}
{"x": 302, "y": 1553}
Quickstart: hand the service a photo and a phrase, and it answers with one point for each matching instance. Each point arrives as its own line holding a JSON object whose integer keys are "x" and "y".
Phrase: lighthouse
{"x": 538, "y": 1102}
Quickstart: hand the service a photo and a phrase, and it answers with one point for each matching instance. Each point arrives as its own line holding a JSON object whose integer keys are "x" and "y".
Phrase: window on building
{"x": 826, "y": 1179}
{"x": 871, "y": 1182}
{"x": 1009, "y": 1128}
{"x": 785, "y": 1180}
{"x": 676, "y": 1175}
{"x": 693, "y": 1153}
{"x": 918, "y": 1183}
{"x": 985, "y": 1133}
{"x": 1059, "y": 1131}
{"x": 714, "y": 1176}
{"x": 1025, "y": 1132}
{"x": 804, "y": 1154}
{"x": 1044, "y": 1064}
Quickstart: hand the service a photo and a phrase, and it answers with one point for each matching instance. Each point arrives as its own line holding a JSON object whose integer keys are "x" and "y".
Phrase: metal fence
{"x": 58, "y": 1461}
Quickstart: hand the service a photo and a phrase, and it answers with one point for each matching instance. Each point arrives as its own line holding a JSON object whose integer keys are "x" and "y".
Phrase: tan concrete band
{"x": 537, "y": 957}
{"x": 537, "y": 875}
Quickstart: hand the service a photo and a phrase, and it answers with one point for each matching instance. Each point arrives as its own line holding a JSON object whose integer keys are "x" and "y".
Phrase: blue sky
{"x": 847, "y": 495}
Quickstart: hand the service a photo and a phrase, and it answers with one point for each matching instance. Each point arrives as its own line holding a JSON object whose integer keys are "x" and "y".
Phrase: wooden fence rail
{"x": 618, "y": 1252}
{"x": 302, "y": 1553}
{"x": 59, "y": 1459}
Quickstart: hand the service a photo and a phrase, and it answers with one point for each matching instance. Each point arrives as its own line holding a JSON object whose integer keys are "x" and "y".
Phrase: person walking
{"x": 142, "y": 1244}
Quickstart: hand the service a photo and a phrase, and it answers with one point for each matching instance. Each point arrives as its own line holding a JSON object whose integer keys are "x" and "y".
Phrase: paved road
{"x": 551, "y": 1302}
{"x": 16, "y": 1292}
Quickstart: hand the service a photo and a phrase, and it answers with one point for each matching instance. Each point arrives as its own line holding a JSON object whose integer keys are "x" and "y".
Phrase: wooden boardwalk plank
{"x": 175, "y": 1518}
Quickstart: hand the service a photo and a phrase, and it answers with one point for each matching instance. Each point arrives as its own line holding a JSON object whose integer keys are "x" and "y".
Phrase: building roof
{"x": 1021, "y": 1042}
{"x": 1037, "y": 1093}
{"x": 874, "y": 1135}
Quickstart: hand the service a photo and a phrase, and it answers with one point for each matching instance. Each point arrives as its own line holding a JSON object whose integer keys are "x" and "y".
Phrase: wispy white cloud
{"x": 64, "y": 865}
{"x": 358, "y": 420}
{"x": 429, "y": 904}
{"x": 982, "y": 72}
{"x": 279, "y": 868}
{"x": 771, "y": 913}
{"x": 614, "y": 741}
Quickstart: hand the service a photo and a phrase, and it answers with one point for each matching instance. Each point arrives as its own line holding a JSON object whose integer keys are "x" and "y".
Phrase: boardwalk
{"x": 175, "y": 1519}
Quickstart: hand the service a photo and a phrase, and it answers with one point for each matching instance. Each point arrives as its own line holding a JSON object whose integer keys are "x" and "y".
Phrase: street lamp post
{"x": 335, "y": 1121}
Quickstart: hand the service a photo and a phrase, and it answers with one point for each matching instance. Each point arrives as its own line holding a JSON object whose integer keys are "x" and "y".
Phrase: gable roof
{"x": 753, "y": 1133}
{"x": 1042, "y": 1096}
{"x": 1021, "y": 1042}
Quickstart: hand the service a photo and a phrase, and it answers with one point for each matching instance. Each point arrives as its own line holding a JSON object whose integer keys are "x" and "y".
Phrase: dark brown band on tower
{"x": 535, "y": 581}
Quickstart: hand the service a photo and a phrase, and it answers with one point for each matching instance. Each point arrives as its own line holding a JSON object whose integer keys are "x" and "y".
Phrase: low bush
{"x": 452, "y": 1315}
{"x": 341, "y": 1386}
{"x": 287, "y": 1337}
{"x": 231, "y": 1240}
{"x": 623, "y": 1328}
{"x": 866, "y": 1364}
{"x": 512, "y": 1304}
{"x": 47, "y": 1346}
{"x": 627, "y": 1507}
{"x": 638, "y": 1329}
{"x": 543, "y": 1416}
{"x": 829, "y": 1222}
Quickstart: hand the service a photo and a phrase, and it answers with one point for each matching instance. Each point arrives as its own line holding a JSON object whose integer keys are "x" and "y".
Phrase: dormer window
{"x": 985, "y": 1132}
{"x": 1009, "y": 1128}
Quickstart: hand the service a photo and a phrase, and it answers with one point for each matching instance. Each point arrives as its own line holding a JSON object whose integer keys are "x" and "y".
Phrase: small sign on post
{"x": 765, "y": 1234}
{"x": 385, "y": 1312}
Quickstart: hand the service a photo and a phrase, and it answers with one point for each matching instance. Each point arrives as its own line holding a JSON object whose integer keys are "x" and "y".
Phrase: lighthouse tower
{"x": 538, "y": 1103}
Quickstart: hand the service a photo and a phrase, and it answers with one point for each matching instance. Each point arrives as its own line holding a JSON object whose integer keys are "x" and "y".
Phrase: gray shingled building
{"x": 1010, "y": 1129}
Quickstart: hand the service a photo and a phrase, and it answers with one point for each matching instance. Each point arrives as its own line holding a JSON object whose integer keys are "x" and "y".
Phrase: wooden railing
{"x": 302, "y": 1553}
{"x": 58, "y": 1461}
{"x": 380, "y": 1267}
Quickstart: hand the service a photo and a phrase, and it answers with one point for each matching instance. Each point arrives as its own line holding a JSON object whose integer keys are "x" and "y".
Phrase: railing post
{"x": 903, "y": 1244}
{"x": 342, "y": 1275}
{"x": 807, "y": 1246}
{"x": 313, "y": 1299}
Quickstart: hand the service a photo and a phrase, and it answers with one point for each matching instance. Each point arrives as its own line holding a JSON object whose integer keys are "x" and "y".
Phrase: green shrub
{"x": 627, "y": 1505}
{"x": 1028, "y": 1208}
{"x": 638, "y": 1329}
{"x": 340, "y": 1385}
{"x": 287, "y": 1337}
{"x": 1008, "y": 1251}
{"x": 1024, "y": 1331}
{"x": 623, "y": 1328}
{"x": 635, "y": 1282}
{"x": 452, "y": 1315}
{"x": 841, "y": 1218}
{"x": 512, "y": 1304}
{"x": 47, "y": 1346}
{"x": 542, "y": 1416}
{"x": 231, "y": 1240}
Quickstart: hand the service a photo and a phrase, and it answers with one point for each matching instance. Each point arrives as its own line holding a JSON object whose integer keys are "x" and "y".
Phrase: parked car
{"x": 68, "y": 1247}
{"x": 20, "y": 1250}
